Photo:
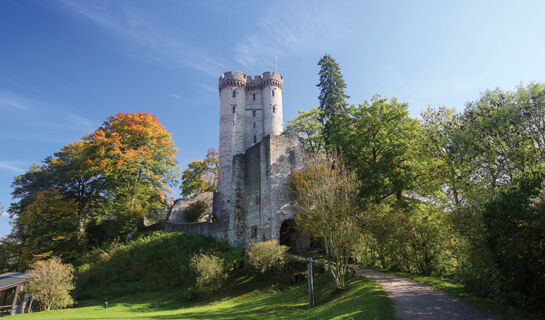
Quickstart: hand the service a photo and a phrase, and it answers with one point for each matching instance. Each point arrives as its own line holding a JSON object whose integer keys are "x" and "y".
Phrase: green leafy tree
{"x": 332, "y": 96}
{"x": 514, "y": 235}
{"x": 307, "y": 126}
{"x": 379, "y": 141}
{"x": 201, "y": 175}
{"x": 49, "y": 225}
{"x": 51, "y": 282}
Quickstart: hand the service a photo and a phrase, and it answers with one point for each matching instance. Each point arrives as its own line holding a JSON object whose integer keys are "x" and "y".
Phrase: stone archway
{"x": 293, "y": 238}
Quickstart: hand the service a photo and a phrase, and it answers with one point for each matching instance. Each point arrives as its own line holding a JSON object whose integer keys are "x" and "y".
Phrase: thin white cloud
{"x": 175, "y": 96}
{"x": 9, "y": 166}
{"x": 130, "y": 23}
{"x": 301, "y": 28}
{"x": 44, "y": 115}
{"x": 11, "y": 101}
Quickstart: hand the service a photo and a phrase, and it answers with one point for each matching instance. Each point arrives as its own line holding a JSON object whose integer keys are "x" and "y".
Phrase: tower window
{"x": 253, "y": 96}
{"x": 234, "y": 108}
{"x": 274, "y": 109}
{"x": 272, "y": 93}
{"x": 234, "y": 93}
{"x": 254, "y": 125}
{"x": 253, "y": 112}
{"x": 255, "y": 138}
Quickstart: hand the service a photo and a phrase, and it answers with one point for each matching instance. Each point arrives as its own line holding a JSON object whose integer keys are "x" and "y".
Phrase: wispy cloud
{"x": 133, "y": 24}
{"x": 9, "y": 166}
{"x": 9, "y": 100}
{"x": 45, "y": 114}
{"x": 175, "y": 96}
{"x": 301, "y": 28}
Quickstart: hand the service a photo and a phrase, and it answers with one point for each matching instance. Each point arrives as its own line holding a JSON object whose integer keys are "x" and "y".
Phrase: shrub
{"x": 51, "y": 283}
{"x": 195, "y": 211}
{"x": 210, "y": 271}
{"x": 267, "y": 255}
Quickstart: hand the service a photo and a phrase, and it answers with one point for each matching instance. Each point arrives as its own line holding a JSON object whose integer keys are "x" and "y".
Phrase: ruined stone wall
{"x": 262, "y": 189}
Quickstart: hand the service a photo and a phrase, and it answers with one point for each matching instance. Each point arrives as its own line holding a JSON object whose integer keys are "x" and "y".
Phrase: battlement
{"x": 239, "y": 79}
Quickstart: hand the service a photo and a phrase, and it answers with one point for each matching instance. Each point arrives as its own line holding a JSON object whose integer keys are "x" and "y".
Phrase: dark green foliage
{"x": 379, "y": 141}
{"x": 514, "y": 237}
{"x": 332, "y": 97}
{"x": 156, "y": 262}
{"x": 195, "y": 211}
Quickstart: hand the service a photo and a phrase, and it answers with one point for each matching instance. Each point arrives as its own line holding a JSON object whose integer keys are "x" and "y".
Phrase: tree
{"x": 49, "y": 225}
{"x": 111, "y": 178}
{"x": 201, "y": 175}
{"x": 326, "y": 203}
{"x": 134, "y": 157}
{"x": 9, "y": 255}
{"x": 307, "y": 126}
{"x": 51, "y": 283}
{"x": 332, "y": 97}
{"x": 514, "y": 235}
{"x": 379, "y": 141}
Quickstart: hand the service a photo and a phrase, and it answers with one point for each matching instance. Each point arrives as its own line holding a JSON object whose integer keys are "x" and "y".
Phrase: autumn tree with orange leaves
{"x": 100, "y": 186}
{"x": 134, "y": 156}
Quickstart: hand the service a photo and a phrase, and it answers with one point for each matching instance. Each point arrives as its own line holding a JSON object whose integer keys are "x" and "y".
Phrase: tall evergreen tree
{"x": 332, "y": 97}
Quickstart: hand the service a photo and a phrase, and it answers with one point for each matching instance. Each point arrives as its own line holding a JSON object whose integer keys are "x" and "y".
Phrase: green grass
{"x": 458, "y": 290}
{"x": 364, "y": 299}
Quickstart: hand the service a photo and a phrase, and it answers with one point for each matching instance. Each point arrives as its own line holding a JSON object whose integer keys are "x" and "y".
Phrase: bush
{"x": 267, "y": 255}
{"x": 195, "y": 211}
{"x": 51, "y": 283}
{"x": 210, "y": 271}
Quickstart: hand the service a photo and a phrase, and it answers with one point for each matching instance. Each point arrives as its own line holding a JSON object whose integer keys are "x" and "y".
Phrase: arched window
{"x": 255, "y": 138}
{"x": 254, "y": 96}
{"x": 253, "y": 112}
{"x": 274, "y": 109}
{"x": 234, "y": 108}
{"x": 234, "y": 93}
{"x": 272, "y": 93}
{"x": 254, "y": 125}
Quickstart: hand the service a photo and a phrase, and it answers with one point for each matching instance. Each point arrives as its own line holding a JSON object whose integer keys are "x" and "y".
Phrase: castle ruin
{"x": 252, "y": 202}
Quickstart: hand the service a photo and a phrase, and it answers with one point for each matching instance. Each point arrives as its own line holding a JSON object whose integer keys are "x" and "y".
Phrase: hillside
{"x": 150, "y": 278}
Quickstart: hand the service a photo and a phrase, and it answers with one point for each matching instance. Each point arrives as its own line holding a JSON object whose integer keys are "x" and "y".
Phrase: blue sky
{"x": 65, "y": 66}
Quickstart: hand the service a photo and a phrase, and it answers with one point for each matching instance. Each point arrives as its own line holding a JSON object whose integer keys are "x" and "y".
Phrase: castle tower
{"x": 250, "y": 109}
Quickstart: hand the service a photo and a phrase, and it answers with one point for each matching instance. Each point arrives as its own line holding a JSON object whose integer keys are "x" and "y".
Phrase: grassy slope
{"x": 365, "y": 299}
{"x": 457, "y": 289}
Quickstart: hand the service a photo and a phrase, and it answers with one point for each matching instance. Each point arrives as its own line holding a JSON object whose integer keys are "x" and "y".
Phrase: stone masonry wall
{"x": 262, "y": 189}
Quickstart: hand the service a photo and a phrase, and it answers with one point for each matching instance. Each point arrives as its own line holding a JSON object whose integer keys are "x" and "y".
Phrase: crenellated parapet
{"x": 241, "y": 80}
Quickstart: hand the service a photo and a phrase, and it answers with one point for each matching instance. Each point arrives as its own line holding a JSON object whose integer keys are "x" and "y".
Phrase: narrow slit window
{"x": 253, "y": 112}
{"x": 234, "y": 93}
{"x": 255, "y": 138}
{"x": 274, "y": 109}
{"x": 253, "y": 96}
{"x": 234, "y": 108}
{"x": 254, "y": 125}
{"x": 272, "y": 93}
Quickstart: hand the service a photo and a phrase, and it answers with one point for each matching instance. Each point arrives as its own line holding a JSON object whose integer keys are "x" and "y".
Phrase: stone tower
{"x": 250, "y": 109}
{"x": 255, "y": 162}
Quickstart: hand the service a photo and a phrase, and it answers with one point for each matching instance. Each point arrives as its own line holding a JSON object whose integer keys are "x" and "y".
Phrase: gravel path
{"x": 413, "y": 300}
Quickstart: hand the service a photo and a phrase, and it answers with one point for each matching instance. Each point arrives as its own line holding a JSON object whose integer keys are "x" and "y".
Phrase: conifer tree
{"x": 332, "y": 97}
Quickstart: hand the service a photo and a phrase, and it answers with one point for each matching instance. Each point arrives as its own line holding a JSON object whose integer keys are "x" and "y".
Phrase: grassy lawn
{"x": 364, "y": 299}
{"x": 457, "y": 289}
